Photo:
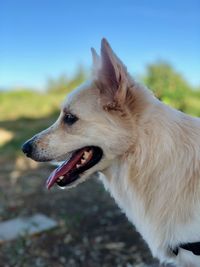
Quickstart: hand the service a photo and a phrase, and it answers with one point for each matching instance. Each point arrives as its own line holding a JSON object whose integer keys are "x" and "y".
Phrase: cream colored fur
{"x": 151, "y": 163}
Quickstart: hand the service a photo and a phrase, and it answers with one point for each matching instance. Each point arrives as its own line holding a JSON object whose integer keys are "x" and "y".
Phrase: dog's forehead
{"x": 84, "y": 96}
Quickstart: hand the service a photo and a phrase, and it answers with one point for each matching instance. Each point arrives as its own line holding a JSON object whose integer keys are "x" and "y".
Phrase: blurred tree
{"x": 165, "y": 81}
{"x": 57, "y": 85}
{"x": 63, "y": 84}
{"x": 170, "y": 86}
{"x": 79, "y": 77}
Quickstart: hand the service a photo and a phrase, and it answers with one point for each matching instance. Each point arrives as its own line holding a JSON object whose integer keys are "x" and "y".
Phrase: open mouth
{"x": 71, "y": 170}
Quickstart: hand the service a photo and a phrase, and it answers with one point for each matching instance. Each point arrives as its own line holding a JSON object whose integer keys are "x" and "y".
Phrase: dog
{"x": 147, "y": 155}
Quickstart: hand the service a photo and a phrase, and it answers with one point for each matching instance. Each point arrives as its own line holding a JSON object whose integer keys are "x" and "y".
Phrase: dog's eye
{"x": 69, "y": 118}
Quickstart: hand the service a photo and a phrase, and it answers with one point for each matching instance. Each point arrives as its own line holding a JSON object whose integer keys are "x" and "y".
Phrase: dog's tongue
{"x": 64, "y": 169}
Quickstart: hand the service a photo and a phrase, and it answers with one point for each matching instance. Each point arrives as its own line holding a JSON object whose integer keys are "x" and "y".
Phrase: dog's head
{"x": 95, "y": 125}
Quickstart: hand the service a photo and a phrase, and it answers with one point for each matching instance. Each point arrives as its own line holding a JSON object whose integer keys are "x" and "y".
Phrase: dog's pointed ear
{"x": 95, "y": 57}
{"x": 96, "y": 62}
{"x": 113, "y": 75}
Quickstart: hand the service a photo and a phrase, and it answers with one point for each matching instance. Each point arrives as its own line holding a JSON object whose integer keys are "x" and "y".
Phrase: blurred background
{"x": 45, "y": 54}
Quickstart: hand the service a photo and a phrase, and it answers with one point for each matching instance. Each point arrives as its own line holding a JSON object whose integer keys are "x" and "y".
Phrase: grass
{"x": 24, "y": 103}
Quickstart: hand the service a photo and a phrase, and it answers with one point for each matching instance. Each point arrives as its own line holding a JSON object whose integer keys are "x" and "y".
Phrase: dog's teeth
{"x": 86, "y": 155}
{"x": 60, "y": 178}
{"x": 83, "y": 161}
{"x": 78, "y": 165}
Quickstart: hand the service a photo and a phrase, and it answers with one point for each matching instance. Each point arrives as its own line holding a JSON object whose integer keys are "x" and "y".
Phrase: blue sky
{"x": 44, "y": 38}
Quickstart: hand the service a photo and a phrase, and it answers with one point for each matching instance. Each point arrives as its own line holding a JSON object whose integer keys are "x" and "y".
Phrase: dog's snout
{"x": 27, "y": 148}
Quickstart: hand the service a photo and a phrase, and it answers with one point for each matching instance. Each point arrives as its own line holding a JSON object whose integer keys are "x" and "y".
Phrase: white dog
{"x": 147, "y": 153}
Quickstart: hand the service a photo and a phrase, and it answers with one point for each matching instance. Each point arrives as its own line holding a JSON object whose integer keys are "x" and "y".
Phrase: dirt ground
{"x": 92, "y": 231}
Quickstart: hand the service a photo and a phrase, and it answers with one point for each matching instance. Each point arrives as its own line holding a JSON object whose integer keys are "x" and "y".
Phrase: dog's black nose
{"x": 27, "y": 148}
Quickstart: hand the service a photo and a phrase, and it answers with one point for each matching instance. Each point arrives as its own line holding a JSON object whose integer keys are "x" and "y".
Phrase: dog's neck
{"x": 117, "y": 181}
{"x": 123, "y": 181}
{"x": 148, "y": 181}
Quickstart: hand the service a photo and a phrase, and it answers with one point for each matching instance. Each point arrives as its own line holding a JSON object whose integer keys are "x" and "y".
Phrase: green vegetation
{"x": 169, "y": 86}
{"x": 63, "y": 84}
{"x": 28, "y": 104}
{"x": 25, "y": 112}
